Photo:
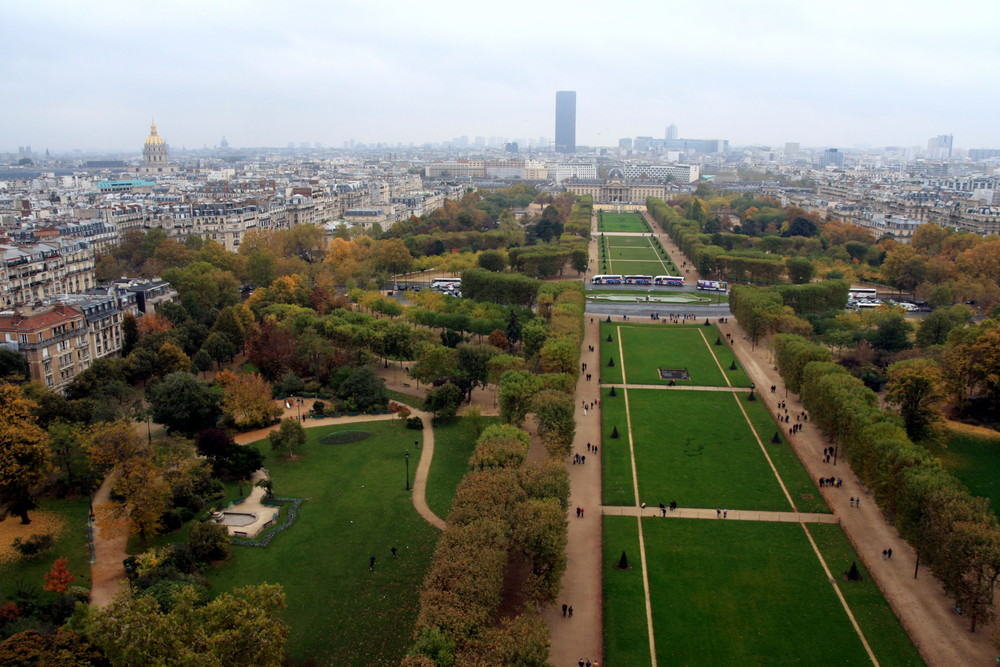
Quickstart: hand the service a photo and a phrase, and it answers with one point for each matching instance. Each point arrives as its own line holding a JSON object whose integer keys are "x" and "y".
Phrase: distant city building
{"x": 984, "y": 153}
{"x": 566, "y": 121}
{"x": 671, "y": 132}
{"x": 625, "y": 144}
{"x": 155, "y": 155}
{"x": 939, "y": 147}
{"x": 682, "y": 173}
{"x": 832, "y": 158}
{"x": 791, "y": 148}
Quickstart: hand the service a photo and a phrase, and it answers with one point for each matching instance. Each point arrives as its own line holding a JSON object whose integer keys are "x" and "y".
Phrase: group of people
{"x": 828, "y": 453}
{"x": 830, "y": 481}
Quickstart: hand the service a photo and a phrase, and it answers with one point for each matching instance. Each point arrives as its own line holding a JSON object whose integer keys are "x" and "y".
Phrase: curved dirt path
{"x": 107, "y": 573}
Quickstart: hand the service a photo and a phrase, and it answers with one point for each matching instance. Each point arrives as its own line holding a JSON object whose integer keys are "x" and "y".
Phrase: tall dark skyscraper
{"x": 566, "y": 121}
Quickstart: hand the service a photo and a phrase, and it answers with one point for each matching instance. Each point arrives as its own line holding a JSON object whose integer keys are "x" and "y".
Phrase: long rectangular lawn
{"x": 741, "y": 592}
{"x": 695, "y": 447}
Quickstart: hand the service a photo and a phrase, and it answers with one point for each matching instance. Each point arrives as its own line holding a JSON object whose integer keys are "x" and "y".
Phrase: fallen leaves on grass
{"x": 11, "y": 528}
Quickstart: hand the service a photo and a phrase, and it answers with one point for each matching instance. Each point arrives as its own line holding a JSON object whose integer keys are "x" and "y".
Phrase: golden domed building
{"x": 155, "y": 155}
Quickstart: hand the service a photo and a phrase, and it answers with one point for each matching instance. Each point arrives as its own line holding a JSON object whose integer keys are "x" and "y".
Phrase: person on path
{"x": 889, "y": 553}
{"x": 852, "y": 501}
{"x": 564, "y": 609}
{"x": 857, "y": 501}
{"x": 883, "y": 553}
{"x": 570, "y": 610}
{"x": 718, "y": 512}
{"x": 725, "y": 514}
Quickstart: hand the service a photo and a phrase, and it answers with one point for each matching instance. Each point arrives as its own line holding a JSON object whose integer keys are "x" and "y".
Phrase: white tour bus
{"x": 446, "y": 284}
{"x": 606, "y": 279}
{"x": 673, "y": 281}
{"x": 862, "y": 294}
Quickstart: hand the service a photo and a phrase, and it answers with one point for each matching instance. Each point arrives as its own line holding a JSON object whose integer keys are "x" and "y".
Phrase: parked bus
{"x": 713, "y": 285}
{"x": 859, "y": 293}
{"x": 673, "y": 281}
{"x": 638, "y": 280}
{"x": 446, "y": 284}
{"x": 606, "y": 279}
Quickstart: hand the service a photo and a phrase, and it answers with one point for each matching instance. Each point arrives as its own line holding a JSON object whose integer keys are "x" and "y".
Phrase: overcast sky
{"x": 92, "y": 74}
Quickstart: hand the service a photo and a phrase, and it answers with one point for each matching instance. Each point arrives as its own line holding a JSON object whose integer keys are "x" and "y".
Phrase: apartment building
{"x": 54, "y": 339}
{"x": 31, "y": 272}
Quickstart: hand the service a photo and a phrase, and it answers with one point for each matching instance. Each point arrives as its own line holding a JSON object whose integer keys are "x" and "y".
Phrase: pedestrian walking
{"x": 718, "y": 512}
{"x": 725, "y": 514}
{"x": 883, "y": 553}
{"x": 852, "y": 501}
{"x": 570, "y": 610}
{"x": 564, "y": 609}
{"x": 888, "y": 553}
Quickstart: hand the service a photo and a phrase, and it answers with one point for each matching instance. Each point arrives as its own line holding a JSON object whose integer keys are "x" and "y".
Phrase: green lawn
{"x": 626, "y": 241}
{"x": 453, "y": 445}
{"x": 616, "y": 466}
{"x": 800, "y": 484}
{"x": 621, "y": 222}
{"x": 71, "y": 543}
{"x": 356, "y": 506}
{"x": 649, "y": 347}
{"x": 888, "y": 639}
{"x": 740, "y": 592}
{"x": 626, "y": 640}
{"x": 974, "y": 458}
{"x": 695, "y": 447}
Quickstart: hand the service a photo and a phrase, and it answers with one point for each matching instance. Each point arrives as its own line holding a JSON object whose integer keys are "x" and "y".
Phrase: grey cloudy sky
{"x": 879, "y": 72}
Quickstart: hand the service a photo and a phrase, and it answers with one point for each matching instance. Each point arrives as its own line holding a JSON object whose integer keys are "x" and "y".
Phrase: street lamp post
{"x": 407, "y": 469}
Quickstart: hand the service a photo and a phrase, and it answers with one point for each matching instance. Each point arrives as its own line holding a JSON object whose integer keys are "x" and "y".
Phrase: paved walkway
{"x": 731, "y": 515}
{"x": 676, "y": 387}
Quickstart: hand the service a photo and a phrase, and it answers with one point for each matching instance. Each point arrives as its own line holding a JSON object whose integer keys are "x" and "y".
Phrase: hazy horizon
{"x": 91, "y": 76}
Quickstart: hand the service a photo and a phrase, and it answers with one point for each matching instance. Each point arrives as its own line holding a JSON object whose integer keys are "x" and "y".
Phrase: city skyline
{"x": 93, "y": 76}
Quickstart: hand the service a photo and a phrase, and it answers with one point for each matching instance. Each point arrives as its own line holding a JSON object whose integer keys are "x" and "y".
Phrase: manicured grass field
{"x": 616, "y": 467}
{"x": 888, "y": 639}
{"x": 453, "y": 445}
{"x": 800, "y": 484}
{"x": 626, "y": 241}
{"x": 626, "y": 641}
{"x": 621, "y": 222}
{"x": 973, "y": 455}
{"x": 356, "y": 506}
{"x": 649, "y": 347}
{"x": 735, "y": 592}
{"x": 695, "y": 447}
{"x": 71, "y": 542}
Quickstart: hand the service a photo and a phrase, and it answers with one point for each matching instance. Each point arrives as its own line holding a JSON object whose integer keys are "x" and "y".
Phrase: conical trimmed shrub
{"x": 614, "y": 433}
{"x": 623, "y": 562}
{"x": 612, "y": 392}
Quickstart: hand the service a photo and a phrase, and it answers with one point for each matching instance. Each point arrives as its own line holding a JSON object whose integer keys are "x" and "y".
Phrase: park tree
{"x": 209, "y": 541}
{"x": 985, "y": 363}
{"x": 247, "y": 399}
{"x": 800, "y": 270}
{"x": 271, "y": 349}
{"x": 220, "y": 348}
{"x": 539, "y": 531}
{"x": 13, "y": 366}
{"x": 58, "y": 578}
{"x": 934, "y": 328}
{"x": 288, "y": 438}
{"x": 143, "y": 496}
{"x": 500, "y": 364}
{"x": 364, "y": 387}
{"x": 579, "y": 260}
{"x": 24, "y": 455}
{"x": 64, "y": 648}
{"x": 69, "y": 455}
{"x": 554, "y": 411}
{"x": 891, "y": 334}
{"x": 183, "y": 403}
{"x": 533, "y": 335}
{"x": 517, "y": 390}
{"x": 492, "y": 260}
{"x": 473, "y": 364}
{"x": 443, "y": 400}
{"x": 242, "y": 627}
{"x": 916, "y": 387}
{"x": 171, "y": 359}
{"x": 433, "y": 363}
